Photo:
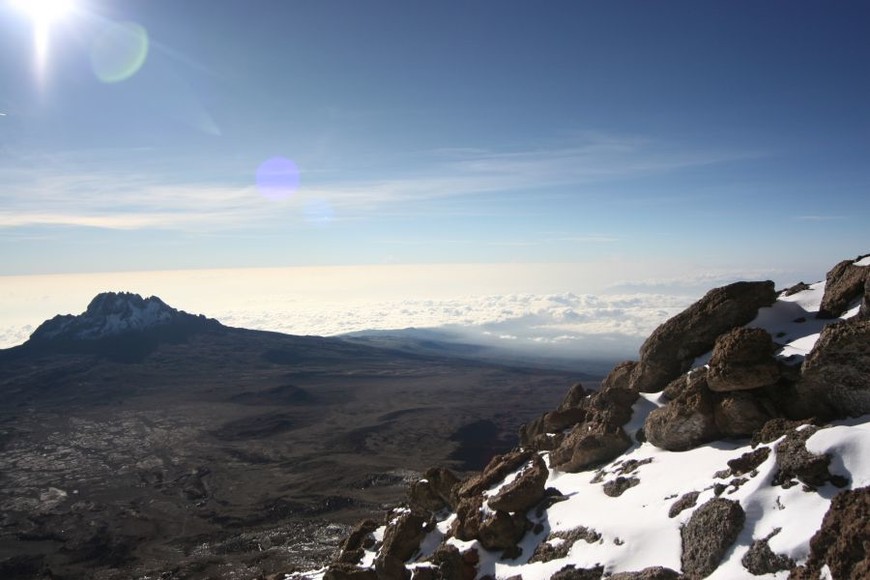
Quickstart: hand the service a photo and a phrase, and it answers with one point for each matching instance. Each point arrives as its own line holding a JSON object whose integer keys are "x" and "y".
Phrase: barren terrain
{"x": 231, "y": 453}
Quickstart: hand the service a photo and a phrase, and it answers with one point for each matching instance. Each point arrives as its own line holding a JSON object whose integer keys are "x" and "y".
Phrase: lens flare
{"x": 119, "y": 51}
{"x": 277, "y": 178}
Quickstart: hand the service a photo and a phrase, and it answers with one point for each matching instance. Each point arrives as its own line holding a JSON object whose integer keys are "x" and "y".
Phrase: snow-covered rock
{"x": 722, "y": 509}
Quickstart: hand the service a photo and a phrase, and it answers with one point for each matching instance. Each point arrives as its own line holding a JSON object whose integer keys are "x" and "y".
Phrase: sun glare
{"x": 43, "y": 10}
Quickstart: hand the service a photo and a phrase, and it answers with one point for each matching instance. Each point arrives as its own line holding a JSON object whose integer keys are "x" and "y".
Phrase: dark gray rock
{"x": 710, "y": 532}
{"x": 835, "y": 377}
{"x": 760, "y": 559}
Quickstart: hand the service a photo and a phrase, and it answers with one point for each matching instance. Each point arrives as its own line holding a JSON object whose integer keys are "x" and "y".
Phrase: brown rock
{"x": 501, "y": 531}
{"x": 359, "y": 538}
{"x": 435, "y": 491}
{"x": 391, "y": 568}
{"x": 844, "y": 283}
{"x": 651, "y": 573}
{"x": 570, "y": 572}
{"x": 835, "y": 377}
{"x": 403, "y": 535}
{"x": 525, "y": 491}
{"x": 468, "y": 518}
{"x": 864, "y": 310}
{"x": 743, "y": 359}
{"x": 452, "y": 565}
{"x": 740, "y": 414}
{"x": 710, "y": 532}
{"x": 688, "y": 500}
{"x": 685, "y": 422}
{"x": 619, "y": 377}
{"x": 795, "y": 461}
{"x": 748, "y": 461}
{"x": 349, "y": 572}
{"x": 842, "y": 542}
{"x": 546, "y": 552}
{"x": 589, "y": 444}
{"x": 495, "y": 471}
{"x": 760, "y": 559}
{"x": 776, "y": 428}
{"x": 671, "y": 348}
{"x": 575, "y": 395}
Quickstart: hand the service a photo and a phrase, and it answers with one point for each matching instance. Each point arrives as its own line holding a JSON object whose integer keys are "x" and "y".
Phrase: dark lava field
{"x": 232, "y": 453}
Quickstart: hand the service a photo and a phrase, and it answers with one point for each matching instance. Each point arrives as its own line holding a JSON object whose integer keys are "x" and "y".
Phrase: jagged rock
{"x": 740, "y": 414}
{"x": 496, "y": 470}
{"x": 390, "y": 567}
{"x": 710, "y": 532}
{"x": 685, "y": 422}
{"x": 651, "y": 573}
{"x": 341, "y": 571}
{"x": 842, "y": 541}
{"x": 501, "y": 531}
{"x": 760, "y": 559}
{"x": 468, "y": 518}
{"x": 864, "y": 310}
{"x": 453, "y": 565}
{"x": 610, "y": 406}
{"x": 435, "y": 491}
{"x": 619, "y": 377}
{"x": 742, "y": 359}
{"x": 525, "y": 491}
{"x": 835, "y": 378}
{"x": 671, "y": 348}
{"x": 794, "y": 460}
{"x": 844, "y": 283}
{"x": 360, "y": 538}
{"x": 575, "y": 394}
{"x": 403, "y": 535}
{"x": 570, "y": 572}
{"x": 589, "y": 444}
{"x": 688, "y": 500}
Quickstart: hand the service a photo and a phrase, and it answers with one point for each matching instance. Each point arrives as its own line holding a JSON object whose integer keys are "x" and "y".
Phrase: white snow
{"x": 865, "y": 261}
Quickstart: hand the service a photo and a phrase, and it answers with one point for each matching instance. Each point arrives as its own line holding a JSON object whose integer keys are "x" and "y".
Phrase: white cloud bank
{"x": 564, "y": 310}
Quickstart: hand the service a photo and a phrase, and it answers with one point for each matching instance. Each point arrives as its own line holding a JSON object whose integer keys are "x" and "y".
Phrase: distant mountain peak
{"x": 116, "y": 313}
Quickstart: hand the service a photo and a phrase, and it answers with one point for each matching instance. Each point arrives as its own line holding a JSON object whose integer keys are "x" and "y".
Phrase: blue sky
{"x": 729, "y": 133}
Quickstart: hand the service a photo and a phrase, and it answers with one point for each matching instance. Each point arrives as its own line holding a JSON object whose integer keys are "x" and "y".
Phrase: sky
{"x": 689, "y": 137}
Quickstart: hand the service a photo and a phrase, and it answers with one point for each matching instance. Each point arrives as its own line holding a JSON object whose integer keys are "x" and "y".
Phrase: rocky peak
{"x": 114, "y": 313}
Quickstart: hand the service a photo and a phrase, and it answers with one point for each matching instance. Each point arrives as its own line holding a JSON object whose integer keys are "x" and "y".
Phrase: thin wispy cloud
{"x": 819, "y": 218}
{"x": 59, "y": 195}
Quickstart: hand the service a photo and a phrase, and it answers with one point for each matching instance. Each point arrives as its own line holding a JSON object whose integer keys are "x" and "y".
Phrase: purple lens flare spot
{"x": 277, "y": 178}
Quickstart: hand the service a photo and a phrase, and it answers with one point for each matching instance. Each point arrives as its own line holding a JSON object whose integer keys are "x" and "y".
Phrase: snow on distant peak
{"x": 111, "y": 314}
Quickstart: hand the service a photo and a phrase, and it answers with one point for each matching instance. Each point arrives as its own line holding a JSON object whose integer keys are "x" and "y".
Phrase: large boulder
{"x": 403, "y": 536}
{"x": 673, "y": 346}
{"x": 710, "y": 532}
{"x": 841, "y": 543}
{"x": 685, "y": 422}
{"x": 742, "y": 360}
{"x": 496, "y": 470}
{"x": 835, "y": 377}
{"x": 843, "y": 284}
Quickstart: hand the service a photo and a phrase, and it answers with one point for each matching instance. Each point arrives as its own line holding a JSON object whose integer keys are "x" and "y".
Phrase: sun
{"x": 43, "y": 10}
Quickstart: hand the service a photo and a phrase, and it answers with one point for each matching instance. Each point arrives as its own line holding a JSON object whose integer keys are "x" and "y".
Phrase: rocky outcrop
{"x": 841, "y": 543}
{"x": 843, "y": 285}
{"x": 525, "y": 491}
{"x": 835, "y": 377}
{"x": 743, "y": 359}
{"x": 685, "y": 422}
{"x": 796, "y": 462}
{"x": 710, "y": 532}
{"x": 590, "y": 444}
{"x": 760, "y": 559}
{"x": 672, "y": 347}
{"x": 435, "y": 491}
